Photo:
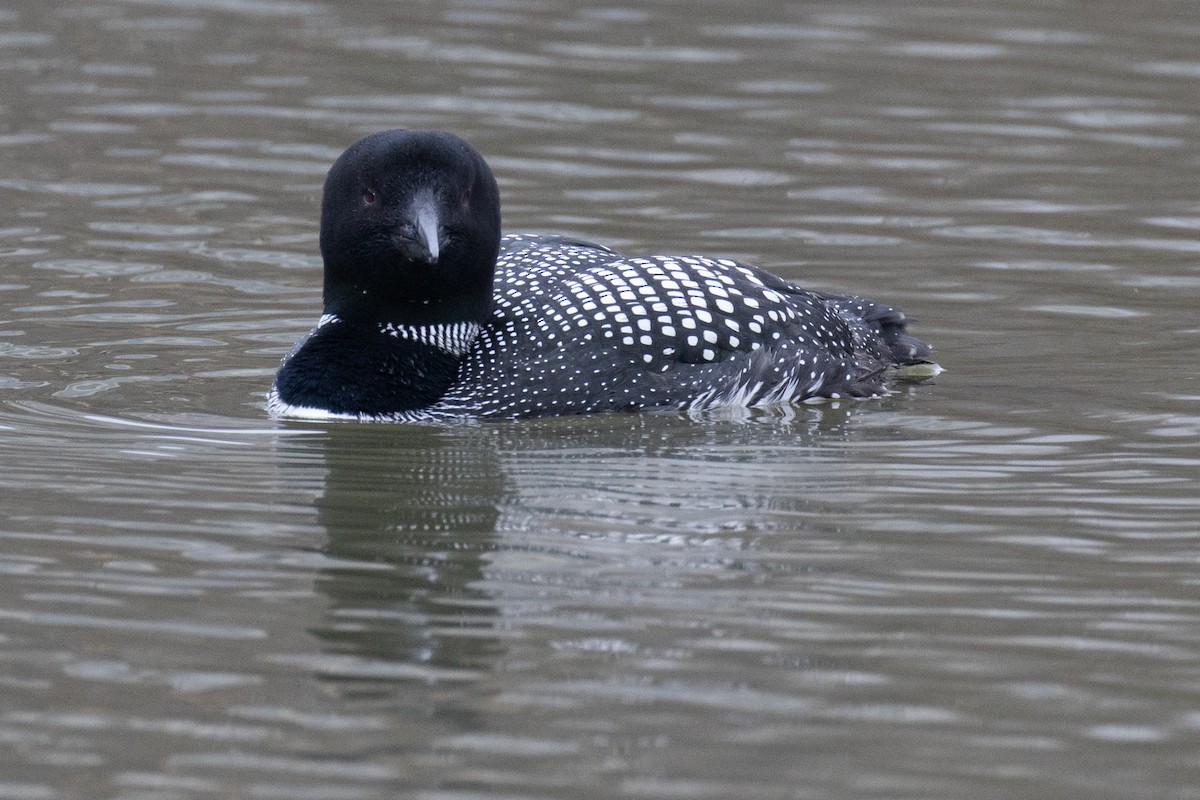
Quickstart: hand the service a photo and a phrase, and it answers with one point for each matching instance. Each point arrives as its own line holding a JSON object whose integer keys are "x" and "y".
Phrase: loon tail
{"x": 909, "y": 355}
{"x": 891, "y": 325}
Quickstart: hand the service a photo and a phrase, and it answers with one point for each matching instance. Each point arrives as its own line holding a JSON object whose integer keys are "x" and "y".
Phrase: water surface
{"x": 983, "y": 586}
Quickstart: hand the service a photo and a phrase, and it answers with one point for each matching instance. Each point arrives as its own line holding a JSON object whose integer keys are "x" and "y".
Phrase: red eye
{"x": 369, "y": 197}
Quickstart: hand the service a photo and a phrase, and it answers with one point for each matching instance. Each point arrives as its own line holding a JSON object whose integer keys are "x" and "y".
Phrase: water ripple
{"x": 650, "y": 54}
{"x": 510, "y": 107}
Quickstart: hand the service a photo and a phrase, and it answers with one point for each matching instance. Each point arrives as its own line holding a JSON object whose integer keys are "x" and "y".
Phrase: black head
{"x": 410, "y": 230}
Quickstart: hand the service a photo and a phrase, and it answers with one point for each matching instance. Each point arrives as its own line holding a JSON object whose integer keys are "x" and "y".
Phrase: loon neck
{"x": 390, "y": 289}
{"x": 373, "y": 369}
{"x": 366, "y": 309}
{"x": 455, "y": 338}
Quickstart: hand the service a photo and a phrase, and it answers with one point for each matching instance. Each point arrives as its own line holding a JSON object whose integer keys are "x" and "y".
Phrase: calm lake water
{"x": 985, "y": 586}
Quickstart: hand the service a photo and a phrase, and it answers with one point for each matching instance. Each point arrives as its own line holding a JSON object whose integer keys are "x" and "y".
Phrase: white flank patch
{"x": 281, "y": 410}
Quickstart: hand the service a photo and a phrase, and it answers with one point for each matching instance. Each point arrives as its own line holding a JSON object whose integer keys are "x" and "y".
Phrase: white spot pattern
{"x": 578, "y": 328}
{"x": 456, "y": 337}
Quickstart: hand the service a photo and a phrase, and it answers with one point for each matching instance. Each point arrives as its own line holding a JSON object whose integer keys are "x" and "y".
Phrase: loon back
{"x": 579, "y": 328}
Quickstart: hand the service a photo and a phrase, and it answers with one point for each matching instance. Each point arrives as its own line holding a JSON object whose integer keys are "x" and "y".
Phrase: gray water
{"x": 985, "y": 586}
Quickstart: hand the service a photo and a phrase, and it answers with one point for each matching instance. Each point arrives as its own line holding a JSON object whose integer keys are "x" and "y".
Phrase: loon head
{"x": 410, "y": 230}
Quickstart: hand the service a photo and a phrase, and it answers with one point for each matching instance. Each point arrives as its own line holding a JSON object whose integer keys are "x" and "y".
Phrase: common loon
{"x": 430, "y": 314}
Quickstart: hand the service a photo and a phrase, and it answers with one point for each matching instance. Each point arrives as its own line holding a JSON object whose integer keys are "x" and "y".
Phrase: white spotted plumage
{"x": 578, "y": 328}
